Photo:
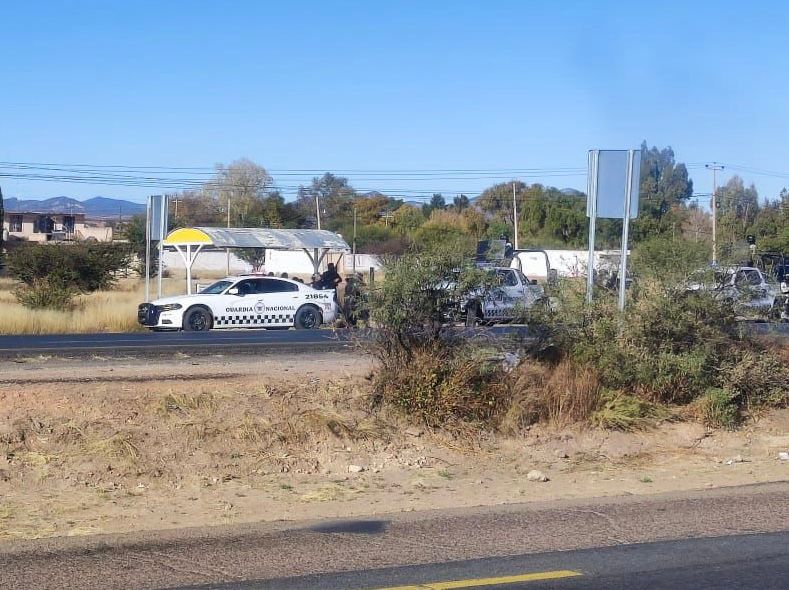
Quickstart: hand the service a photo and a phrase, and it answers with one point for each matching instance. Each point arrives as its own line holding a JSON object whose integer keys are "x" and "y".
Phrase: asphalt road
{"x": 727, "y": 538}
{"x": 759, "y": 561}
{"x": 168, "y": 342}
{"x": 221, "y": 341}
{"x": 238, "y": 341}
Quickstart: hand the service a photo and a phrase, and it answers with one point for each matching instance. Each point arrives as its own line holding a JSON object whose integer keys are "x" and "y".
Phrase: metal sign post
{"x": 164, "y": 214}
{"x": 614, "y": 177}
{"x": 591, "y": 212}
{"x": 148, "y": 251}
{"x": 626, "y": 230}
{"x": 155, "y": 231}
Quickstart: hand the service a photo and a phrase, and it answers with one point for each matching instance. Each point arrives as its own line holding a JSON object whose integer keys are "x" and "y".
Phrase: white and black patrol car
{"x": 509, "y": 299}
{"x": 243, "y": 302}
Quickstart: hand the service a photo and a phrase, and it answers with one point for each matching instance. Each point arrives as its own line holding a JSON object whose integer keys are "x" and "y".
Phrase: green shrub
{"x": 52, "y": 274}
{"x": 441, "y": 386}
{"x": 45, "y": 294}
{"x": 438, "y": 380}
{"x": 717, "y": 408}
{"x": 668, "y": 347}
{"x": 757, "y": 378}
{"x": 620, "y": 411}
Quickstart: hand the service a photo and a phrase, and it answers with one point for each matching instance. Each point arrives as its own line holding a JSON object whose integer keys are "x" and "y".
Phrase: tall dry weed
{"x": 561, "y": 394}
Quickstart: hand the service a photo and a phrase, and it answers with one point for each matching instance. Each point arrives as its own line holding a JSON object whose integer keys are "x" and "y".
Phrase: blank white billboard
{"x": 608, "y": 175}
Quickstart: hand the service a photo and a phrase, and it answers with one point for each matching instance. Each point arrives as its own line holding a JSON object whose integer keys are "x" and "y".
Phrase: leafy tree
{"x": 243, "y": 185}
{"x": 134, "y": 234}
{"x": 52, "y": 275}
{"x": 334, "y": 194}
{"x": 407, "y": 218}
{"x": 671, "y": 260}
{"x": 369, "y": 208}
{"x": 771, "y": 226}
{"x": 738, "y": 208}
{"x": 445, "y": 228}
{"x": 497, "y": 200}
{"x": 461, "y": 202}
{"x": 665, "y": 187}
{"x": 255, "y": 257}
{"x": 198, "y": 208}
{"x": 379, "y": 239}
{"x": 437, "y": 202}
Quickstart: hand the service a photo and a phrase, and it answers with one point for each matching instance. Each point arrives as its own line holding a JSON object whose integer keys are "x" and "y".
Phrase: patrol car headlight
{"x": 170, "y": 307}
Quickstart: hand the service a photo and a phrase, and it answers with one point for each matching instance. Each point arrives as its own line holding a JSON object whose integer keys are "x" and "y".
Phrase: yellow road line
{"x": 476, "y": 582}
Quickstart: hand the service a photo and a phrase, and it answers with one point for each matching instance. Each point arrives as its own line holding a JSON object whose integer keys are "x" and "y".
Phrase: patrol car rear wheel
{"x": 197, "y": 319}
{"x": 307, "y": 318}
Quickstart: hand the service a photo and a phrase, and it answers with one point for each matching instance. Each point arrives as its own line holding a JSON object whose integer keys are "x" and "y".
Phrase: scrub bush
{"x": 718, "y": 408}
{"x": 422, "y": 369}
{"x": 51, "y": 275}
{"x": 669, "y": 347}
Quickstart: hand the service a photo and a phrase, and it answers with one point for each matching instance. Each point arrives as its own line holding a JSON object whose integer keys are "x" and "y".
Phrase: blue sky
{"x": 345, "y": 86}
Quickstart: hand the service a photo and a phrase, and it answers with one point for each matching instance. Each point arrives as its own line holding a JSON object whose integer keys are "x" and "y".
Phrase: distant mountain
{"x": 103, "y": 206}
{"x": 572, "y": 192}
{"x": 95, "y": 207}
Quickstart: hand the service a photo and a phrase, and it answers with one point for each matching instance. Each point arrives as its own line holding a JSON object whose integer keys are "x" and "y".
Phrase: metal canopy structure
{"x": 316, "y": 243}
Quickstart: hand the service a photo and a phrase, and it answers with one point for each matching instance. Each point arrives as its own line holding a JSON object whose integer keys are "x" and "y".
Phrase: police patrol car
{"x": 510, "y": 297}
{"x": 243, "y": 302}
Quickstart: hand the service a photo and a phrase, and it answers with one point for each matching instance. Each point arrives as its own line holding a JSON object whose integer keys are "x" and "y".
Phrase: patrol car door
{"x": 531, "y": 293}
{"x": 277, "y": 302}
{"x": 237, "y": 308}
{"x": 518, "y": 289}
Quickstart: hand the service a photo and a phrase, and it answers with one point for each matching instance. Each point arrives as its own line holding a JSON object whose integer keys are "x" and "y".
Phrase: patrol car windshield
{"x": 216, "y": 288}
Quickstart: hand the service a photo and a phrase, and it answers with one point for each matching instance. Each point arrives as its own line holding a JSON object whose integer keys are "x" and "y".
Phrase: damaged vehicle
{"x": 754, "y": 295}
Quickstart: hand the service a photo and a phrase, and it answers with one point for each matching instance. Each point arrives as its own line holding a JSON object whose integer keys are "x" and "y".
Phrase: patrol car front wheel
{"x": 307, "y": 318}
{"x": 197, "y": 319}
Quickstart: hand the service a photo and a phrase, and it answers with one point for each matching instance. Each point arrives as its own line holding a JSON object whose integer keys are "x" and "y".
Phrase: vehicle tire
{"x": 197, "y": 319}
{"x": 308, "y": 317}
{"x": 472, "y": 314}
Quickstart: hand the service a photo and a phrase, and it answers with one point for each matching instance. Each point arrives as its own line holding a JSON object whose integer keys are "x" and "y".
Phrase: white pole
{"x": 354, "y": 241}
{"x": 162, "y": 234}
{"x": 626, "y": 229}
{"x": 515, "y": 214}
{"x": 318, "y": 211}
{"x": 714, "y": 167}
{"x": 188, "y": 269}
{"x": 148, "y": 251}
{"x": 592, "y": 212}
{"x": 227, "y": 250}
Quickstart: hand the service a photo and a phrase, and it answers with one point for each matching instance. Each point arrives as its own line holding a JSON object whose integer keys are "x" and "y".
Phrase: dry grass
{"x": 563, "y": 394}
{"x": 103, "y": 311}
{"x": 118, "y": 446}
{"x": 209, "y": 432}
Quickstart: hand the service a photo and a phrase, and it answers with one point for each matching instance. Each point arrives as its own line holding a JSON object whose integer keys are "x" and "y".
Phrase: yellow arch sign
{"x": 187, "y": 236}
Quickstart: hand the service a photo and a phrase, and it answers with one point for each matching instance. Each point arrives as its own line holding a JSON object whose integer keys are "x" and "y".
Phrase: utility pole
{"x": 354, "y": 241}
{"x": 318, "y": 211}
{"x": 227, "y": 250}
{"x": 714, "y": 166}
{"x": 515, "y": 214}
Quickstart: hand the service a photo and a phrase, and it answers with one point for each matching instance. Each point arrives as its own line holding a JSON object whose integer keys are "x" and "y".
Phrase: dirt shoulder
{"x": 118, "y": 446}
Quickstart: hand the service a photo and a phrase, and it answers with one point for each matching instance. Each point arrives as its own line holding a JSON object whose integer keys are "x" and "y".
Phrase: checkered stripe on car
{"x": 253, "y": 319}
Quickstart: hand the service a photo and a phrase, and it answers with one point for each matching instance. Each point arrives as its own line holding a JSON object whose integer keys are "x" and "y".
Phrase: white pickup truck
{"x": 508, "y": 300}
